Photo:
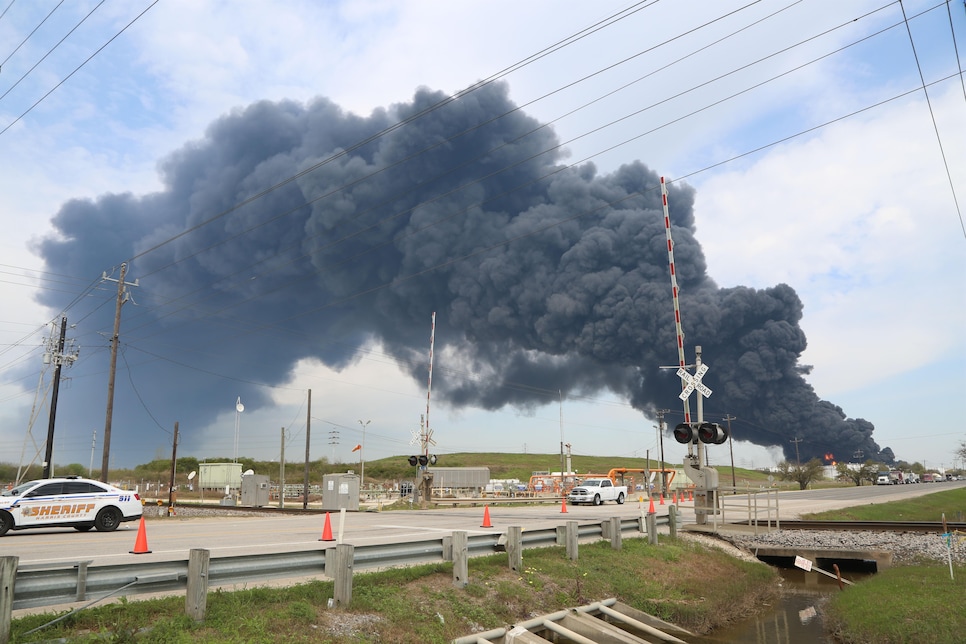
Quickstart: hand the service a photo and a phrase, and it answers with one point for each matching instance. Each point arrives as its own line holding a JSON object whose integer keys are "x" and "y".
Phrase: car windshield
{"x": 591, "y": 483}
{"x": 20, "y": 489}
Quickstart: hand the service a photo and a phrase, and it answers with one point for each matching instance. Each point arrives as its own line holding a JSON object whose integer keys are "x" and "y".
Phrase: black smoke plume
{"x": 544, "y": 277}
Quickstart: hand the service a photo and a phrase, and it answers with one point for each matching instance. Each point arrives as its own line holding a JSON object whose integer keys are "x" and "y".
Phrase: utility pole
{"x": 798, "y": 459}
{"x": 563, "y": 488}
{"x": 174, "y": 460}
{"x": 90, "y": 468}
{"x": 333, "y": 441}
{"x": 308, "y": 432}
{"x": 660, "y": 425}
{"x": 734, "y": 485}
{"x": 122, "y": 297}
{"x": 58, "y": 357}
{"x": 362, "y": 454}
{"x": 281, "y": 474}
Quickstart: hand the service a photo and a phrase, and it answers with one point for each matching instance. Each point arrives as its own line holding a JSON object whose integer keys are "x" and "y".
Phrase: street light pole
{"x": 239, "y": 408}
{"x": 362, "y": 454}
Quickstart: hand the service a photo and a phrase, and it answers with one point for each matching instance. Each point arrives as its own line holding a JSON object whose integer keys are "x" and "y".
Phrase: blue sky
{"x": 817, "y": 169}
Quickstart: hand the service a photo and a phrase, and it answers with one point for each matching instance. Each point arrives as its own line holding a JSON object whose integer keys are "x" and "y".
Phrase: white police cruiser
{"x": 70, "y": 502}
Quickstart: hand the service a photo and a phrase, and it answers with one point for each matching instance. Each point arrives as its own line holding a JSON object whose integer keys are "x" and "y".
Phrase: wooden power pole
{"x": 122, "y": 297}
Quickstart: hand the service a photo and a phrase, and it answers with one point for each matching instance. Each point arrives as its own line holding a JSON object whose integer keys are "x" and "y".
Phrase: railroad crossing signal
{"x": 705, "y": 432}
{"x": 422, "y": 460}
{"x": 693, "y": 382}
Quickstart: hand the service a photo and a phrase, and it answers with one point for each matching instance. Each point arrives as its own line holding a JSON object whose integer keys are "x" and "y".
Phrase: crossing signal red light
{"x": 684, "y": 433}
{"x": 414, "y": 461}
{"x": 712, "y": 433}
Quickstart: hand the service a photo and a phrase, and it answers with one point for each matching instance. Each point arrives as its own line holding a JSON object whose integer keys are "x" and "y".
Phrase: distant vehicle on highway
{"x": 70, "y": 502}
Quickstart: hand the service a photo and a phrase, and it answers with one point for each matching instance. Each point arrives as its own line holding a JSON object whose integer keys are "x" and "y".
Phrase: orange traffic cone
{"x": 662, "y": 498}
{"x": 141, "y": 543}
{"x": 327, "y": 530}
{"x": 690, "y": 496}
{"x": 563, "y": 505}
{"x": 674, "y": 497}
{"x": 486, "y": 517}
{"x": 650, "y": 510}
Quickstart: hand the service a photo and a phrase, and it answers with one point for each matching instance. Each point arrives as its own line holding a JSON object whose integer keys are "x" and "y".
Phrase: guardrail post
{"x": 8, "y": 578}
{"x": 514, "y": 547}
{"x": 448, "y": 545}
{"x": 605, "y": 529}
{"x": 672, "y": 520}
{"x": 329, "y": 561}
{"x": 616, "y": 542}
{"x": 572, "y": 540}
{"x": 651, "y": 521}
{"x": 82, "y": 580}
{"x": 344, "y": 559}
{"x": 642, "y": 523}
{"x": 196, "y": 597}
{"x": 461, "y": 571}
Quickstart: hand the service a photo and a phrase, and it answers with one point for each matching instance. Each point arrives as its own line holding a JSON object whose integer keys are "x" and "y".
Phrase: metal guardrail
{"x": 38, "y": 586}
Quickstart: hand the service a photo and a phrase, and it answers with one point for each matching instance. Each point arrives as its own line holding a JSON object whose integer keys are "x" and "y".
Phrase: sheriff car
{"x": 70, "y": 502}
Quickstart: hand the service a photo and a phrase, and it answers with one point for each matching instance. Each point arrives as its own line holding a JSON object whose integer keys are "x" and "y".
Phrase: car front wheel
{"x": 107, "y": 520}
{"x": 597, "y": 499}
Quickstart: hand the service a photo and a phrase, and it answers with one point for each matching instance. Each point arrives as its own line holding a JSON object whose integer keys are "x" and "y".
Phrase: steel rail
{"x": 40, "y": 586}
{"x": 879, "y": 526}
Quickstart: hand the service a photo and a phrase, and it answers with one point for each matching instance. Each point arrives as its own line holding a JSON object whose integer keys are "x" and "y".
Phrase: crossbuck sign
{"x": 693, "y": 382}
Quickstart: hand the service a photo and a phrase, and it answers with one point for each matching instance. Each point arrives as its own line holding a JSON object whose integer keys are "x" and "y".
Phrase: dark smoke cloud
{"x": 543, "y": 277}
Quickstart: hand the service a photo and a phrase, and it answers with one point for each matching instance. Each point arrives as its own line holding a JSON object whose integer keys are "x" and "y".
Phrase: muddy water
{"x": 795, "y": 618}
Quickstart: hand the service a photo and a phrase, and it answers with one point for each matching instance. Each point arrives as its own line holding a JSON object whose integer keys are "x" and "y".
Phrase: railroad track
{"x": 878, "y": 526}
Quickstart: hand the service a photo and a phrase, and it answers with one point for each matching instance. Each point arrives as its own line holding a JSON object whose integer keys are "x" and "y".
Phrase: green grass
{"x": 924, "y": 508}
{"x": 907, "y": 603}
{"x": 679, "y": 581}
{"x": 903, "y": 604}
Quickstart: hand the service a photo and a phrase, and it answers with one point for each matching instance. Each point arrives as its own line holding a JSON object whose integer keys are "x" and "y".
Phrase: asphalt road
{"x": 171, "y": 538}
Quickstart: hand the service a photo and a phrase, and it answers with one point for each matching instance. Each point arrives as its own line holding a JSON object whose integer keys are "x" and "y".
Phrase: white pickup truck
{"x": 597, "y": 491}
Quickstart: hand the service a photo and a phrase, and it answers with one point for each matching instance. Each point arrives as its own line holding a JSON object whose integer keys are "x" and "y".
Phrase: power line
{"x": 50, "y": 51}
{"x": 23, "y": 42}
{"x": 76, "y": 69}
{"x": 932, "y": 115}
